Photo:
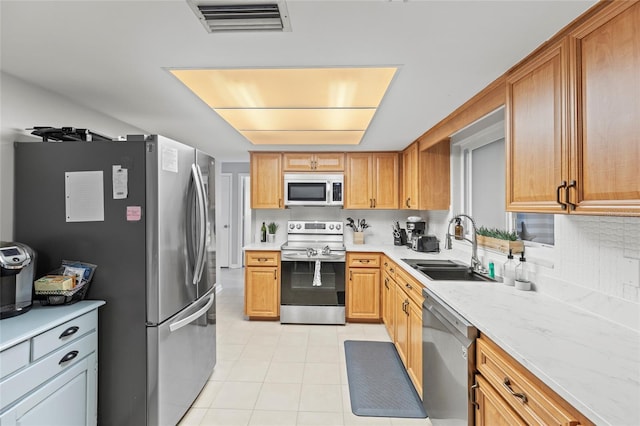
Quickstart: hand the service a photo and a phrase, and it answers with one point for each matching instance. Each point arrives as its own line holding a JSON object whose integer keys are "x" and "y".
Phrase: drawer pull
{"x": 507, "y": 385}
{"x": 262, "y": 259}
{"x": 407, "y": 285}
{"x": 364, "y": 261}
{"x": 69, "y": 331}
{"x": 68, "y": 357}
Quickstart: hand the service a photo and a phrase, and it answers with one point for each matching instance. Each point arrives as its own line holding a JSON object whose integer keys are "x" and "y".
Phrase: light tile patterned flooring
{"x": 272, "y": 374}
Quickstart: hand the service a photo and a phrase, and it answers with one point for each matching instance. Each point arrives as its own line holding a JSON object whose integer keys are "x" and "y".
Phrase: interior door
{"x": 225, "y": 220}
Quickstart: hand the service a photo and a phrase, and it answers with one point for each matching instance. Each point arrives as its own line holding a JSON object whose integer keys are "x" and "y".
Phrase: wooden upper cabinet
{"x": 536, "y": 136}
{"x": 371, "y": 180}
{"x": 573, "y": 120}
{"x": 385, "y": 180}
{"x": 313, "y": 162}
{"x": 266, "y": 180}
{"x": 435, "y": 177}
{"x": 410, "y": 177}
{"x": 606, "y": 144}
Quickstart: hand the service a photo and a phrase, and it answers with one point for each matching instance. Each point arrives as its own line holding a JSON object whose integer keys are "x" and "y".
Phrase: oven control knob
{"x": 291, "y": 226}
{"x": 331, "y": 226}
{"x": 298, "y": 226}
{"x": 338, "y": 226}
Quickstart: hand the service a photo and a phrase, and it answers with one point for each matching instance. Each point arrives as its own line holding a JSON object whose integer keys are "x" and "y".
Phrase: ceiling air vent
{"x": 242, "y": 15}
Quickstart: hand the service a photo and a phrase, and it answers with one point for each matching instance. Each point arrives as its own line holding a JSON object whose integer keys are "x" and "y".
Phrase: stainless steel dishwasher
{"x": 448, "y": 350}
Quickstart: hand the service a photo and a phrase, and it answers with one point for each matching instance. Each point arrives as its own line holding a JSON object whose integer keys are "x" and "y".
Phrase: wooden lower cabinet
{"x": 414, "y": 367}
{"x": 401, "y": 323}
{"x": 262, "y": 285}
{"x": 491, "y": 409}
{"x": 504, "y": 387}
{"x": 388, "y": 293}
{"x": 363, "y": 295}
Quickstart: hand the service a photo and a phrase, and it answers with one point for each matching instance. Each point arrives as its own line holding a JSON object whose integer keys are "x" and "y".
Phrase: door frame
{"x": 227, "y": 206}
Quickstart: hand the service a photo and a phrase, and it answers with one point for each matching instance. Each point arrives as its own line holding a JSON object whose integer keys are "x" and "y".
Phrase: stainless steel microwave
{"x": 313, "y": 189}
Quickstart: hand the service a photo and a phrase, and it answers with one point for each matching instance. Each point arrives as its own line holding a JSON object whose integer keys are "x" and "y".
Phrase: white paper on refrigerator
{"x": 84, "y": 196}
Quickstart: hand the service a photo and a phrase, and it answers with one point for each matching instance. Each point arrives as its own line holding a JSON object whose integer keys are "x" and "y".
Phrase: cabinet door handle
{"x": 350, "y": 275}
{"x": 374, "y": 203}
{"x": 279, "y": 202}
{"x": 472, "y": 395}
{"x": 275, "y": 274}
{"x": 507, "y": 384}
{"x": 68, "y": 357}
{"x": 386, "y": 283}
{"x": 392, "y": 270}
{"x": 69, "y": 331}
{"x": 572, "y": 184}
{"x": 370, "y": 203}
{"x": 408, "y": 203}
{"x": 558, "y": 189}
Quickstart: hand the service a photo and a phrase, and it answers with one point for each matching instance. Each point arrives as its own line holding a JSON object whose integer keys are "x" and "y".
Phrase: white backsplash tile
{"x": 588, "y": 266}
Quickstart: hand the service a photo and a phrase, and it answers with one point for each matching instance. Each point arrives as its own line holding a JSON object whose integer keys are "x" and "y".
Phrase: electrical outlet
{"x": 631, "y": 272}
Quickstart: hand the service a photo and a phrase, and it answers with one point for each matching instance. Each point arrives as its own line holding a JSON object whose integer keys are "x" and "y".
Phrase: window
{"x": 481, "y": 147}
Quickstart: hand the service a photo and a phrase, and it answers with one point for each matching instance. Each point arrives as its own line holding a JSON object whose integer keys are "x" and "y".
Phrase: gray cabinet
{"x": 49, "y": 375}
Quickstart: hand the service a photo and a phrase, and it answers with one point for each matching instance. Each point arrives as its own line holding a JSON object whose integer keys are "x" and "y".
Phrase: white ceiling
{"x": 113, "y": 56}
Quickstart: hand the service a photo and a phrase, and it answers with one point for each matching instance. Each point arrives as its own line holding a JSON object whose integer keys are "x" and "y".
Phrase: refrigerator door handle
{"x": 203, "y": 223}
{"x": 197, "y": 179}
{"x": 179, "y": 324}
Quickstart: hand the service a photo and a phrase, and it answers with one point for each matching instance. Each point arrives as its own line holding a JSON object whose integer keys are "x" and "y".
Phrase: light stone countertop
{"x": 591, "y": 362}
{"x": 40, "y": 319}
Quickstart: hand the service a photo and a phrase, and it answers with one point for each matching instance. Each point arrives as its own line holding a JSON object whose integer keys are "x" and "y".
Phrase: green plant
{"x": 272, "y": 227}
{"x": 497, "y": 233}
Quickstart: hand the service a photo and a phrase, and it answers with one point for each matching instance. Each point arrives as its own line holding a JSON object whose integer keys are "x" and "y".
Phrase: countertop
{"x": 591, "y": 362}
{"x": 40, "y": 319}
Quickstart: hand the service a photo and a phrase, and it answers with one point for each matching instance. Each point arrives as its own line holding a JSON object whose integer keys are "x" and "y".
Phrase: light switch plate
{"x": 631, "y": 272}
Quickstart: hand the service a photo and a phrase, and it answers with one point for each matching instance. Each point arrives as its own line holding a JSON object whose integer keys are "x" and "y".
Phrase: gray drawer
{"x": 14, "y": 387}
{"x": 14, "y": 358}
{"x": 63, "y": 334}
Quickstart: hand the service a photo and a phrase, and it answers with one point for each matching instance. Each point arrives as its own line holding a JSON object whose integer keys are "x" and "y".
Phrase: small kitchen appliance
{"x": 425, "y": 243}
{"x": 415, "y": 229}
{"x": 312, "y": 289}
{"x": 17, "y": 272}
{"x": 313, "y": 189}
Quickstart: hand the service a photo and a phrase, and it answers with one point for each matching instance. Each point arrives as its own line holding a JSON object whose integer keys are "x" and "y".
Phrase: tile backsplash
{"x": 594, "y": 264}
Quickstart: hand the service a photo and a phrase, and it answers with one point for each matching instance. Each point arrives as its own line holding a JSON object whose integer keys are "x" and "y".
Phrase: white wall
{"x": 24, "y": 105}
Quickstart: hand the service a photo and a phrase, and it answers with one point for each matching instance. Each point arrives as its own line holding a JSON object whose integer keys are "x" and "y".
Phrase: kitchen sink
{"x": 446, "y": 270}
{"x": 453, "y": 274}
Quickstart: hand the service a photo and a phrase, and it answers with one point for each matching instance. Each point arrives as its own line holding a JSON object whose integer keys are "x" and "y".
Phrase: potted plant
{"x": 358, "y": 226}
{"x": 272, "y": 227}
{"x": 499, "y": 239}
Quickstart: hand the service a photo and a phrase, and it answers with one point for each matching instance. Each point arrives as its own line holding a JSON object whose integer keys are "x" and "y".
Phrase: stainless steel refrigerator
{"x": 142, "y": 210}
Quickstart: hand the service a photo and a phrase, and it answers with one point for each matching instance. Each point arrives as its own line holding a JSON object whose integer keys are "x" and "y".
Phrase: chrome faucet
{"x": 476, "y": 265}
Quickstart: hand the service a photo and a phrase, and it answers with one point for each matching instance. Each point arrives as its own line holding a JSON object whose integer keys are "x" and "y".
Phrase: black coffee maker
{"x": 414, "y": 230}
{"x": 17, "y": 272}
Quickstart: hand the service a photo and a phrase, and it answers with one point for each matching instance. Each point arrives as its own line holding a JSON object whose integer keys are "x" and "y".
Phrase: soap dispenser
{"x": 509, "y": 270}
{"x": 459, "y": 230}
{"x": 522, "y": 274}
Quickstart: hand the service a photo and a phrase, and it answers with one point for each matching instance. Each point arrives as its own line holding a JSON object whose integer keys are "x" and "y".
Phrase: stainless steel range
{"x": 313, "y": 271}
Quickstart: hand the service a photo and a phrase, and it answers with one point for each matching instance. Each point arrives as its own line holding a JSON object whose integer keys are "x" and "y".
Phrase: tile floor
{"x": 273, "y": 374}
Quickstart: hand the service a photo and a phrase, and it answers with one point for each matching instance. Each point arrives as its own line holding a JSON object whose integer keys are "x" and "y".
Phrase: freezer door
{"x": 169, "y": 267}
{"x": 206, "y": 166}
{"x": 181, "y": 357}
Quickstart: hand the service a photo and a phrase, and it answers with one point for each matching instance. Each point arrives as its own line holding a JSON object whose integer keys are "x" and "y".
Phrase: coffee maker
{"x": 414, "y": 230}
{"x": 17, "y": 272}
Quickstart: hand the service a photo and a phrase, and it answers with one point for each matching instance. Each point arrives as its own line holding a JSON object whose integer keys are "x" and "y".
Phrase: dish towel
{"x": 316, "y": 275}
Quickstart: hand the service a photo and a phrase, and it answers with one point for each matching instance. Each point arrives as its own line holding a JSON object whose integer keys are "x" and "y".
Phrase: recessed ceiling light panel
{"x": 286, "y": 105}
